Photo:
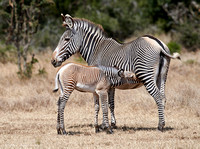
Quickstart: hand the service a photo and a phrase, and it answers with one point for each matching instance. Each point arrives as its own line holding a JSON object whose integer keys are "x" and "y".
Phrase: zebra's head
{"x": 68, "y": 44}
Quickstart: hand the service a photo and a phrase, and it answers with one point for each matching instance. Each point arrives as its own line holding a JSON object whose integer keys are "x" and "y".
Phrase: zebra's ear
{"x": 121, "y": 73}
{"x": 67, "y": 21}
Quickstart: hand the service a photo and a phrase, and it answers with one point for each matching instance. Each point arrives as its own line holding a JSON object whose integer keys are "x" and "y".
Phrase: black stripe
{"x": 158, "y": 41}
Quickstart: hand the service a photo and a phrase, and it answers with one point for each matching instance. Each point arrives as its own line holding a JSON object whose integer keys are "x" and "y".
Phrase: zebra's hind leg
{"x": 159, "y": 98}
{"x": 96, "y": 105}
{"x": 162, "y": 77}
{"x": 111, "y": 102}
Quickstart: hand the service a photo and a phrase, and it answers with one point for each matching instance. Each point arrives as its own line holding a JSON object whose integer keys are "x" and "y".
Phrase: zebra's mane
{"x": 87, "y": 23}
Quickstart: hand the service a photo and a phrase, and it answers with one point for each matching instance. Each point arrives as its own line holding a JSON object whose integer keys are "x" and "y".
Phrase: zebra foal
{"x": 86, "y": 79}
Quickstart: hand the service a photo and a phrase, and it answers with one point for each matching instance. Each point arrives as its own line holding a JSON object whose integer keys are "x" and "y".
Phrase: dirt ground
{"x": 28, "y": 112}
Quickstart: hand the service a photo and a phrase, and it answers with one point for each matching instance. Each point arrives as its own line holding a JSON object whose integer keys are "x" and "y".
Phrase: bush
{"x": 174, "y": 47}
{"x": 190, "y": 35}
{"x": 6, "y": 53}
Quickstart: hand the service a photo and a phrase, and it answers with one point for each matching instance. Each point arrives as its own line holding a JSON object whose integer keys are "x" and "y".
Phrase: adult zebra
{"x": 146, "y": 56}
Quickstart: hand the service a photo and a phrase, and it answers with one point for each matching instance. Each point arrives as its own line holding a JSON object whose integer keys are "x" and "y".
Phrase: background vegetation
{"x": 120, "y": 19}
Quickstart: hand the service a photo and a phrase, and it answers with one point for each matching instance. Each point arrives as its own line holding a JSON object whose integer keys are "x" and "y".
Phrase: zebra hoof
{"x": 161, "y": 127}
{"x": 102, "y": 127}
{"x": 59, "y": 131}
{"x": 113, "y": 126}
{"x": 109, "y": 131}
{"x": 64, "y": 132}
{"x": 97, "y": 129}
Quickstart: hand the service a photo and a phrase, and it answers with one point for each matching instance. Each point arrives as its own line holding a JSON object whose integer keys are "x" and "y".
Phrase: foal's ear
{"x": 67, "y": 21}
{"x": 121, "y": 73}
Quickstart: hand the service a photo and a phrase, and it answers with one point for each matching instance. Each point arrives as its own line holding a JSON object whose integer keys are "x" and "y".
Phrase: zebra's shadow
{"x": 128, "y": 128}
{"x": 79, "y": 132}
{"x": 118, "y": 128}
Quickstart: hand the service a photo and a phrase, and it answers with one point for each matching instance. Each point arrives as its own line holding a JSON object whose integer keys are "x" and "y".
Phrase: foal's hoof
{"x": 109, "y": 131}
{"x": 160, "y": 128}
{"x": 61, "y": 132}
{"x": 96, "y": 129}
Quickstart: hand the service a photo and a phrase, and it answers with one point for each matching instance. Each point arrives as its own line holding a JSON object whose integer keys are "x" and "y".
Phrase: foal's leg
{"x": 61, "y": 114}
{"x": 96, "y": 105}
{"x": 58, "y": 117}
{"x": 61, "y": 106}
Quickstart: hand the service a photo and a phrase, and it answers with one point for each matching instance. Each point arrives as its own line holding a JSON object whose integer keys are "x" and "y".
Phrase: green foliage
{"x": 120, "y": 19}
{"x": 174, "y": 47}
{"x": 48, "y": 35}
{"x": 154, "y": 12}
{"x": 190, "y": 36}
{"x": 27, "y": 73}
{"x": 191, "y": 62}
{"x": 42, "y": 71}
{"x": 6, "y": 53}
{"x": 29, "y": 66}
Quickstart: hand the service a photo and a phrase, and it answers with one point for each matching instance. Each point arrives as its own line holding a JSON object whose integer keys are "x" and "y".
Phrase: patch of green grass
{"x": 42, "y": 71}
{"x": 38, "y": 142}
{"x": 191, "y": 62}
{"x": 174, "y": 47}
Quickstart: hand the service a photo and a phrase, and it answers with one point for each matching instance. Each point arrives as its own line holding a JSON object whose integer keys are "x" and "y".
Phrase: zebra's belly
{"x": 129, "y": 86}
{"x": 85, "y": 87}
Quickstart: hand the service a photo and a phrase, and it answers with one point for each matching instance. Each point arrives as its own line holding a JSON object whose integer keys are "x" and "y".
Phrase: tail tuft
{"x": 55, "y": 90}
{"x": 177, "y": 56}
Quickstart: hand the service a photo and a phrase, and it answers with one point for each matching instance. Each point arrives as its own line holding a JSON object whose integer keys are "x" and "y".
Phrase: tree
{"x": 185, "y": 18}
{"x": 22, "y": 25}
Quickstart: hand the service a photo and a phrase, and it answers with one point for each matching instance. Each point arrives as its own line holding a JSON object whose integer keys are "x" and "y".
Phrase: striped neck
{"x": 92, "y": 35}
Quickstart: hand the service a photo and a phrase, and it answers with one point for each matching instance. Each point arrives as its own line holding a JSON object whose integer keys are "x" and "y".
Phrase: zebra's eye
{"x": 67, "y": 39}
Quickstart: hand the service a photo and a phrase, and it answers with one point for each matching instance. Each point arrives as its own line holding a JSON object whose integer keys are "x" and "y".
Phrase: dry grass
{"x": 28, "y": 112}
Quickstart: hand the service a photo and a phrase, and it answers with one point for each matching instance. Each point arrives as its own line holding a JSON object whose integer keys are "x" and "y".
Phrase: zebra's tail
{"x": 56, "y": 83}
{"x": 164, "y": 48}
{"x": 174, "y": 56}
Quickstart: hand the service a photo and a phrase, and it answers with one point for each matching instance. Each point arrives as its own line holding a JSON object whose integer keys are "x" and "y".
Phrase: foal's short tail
{"x": 56, "y": 83}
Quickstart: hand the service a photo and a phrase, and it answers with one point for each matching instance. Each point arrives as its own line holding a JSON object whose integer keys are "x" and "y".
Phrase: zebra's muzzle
{"x": 55, "y": 64}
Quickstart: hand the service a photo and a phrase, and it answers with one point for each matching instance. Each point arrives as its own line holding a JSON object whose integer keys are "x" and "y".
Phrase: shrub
{"x": 6, "y": 53}
{"x": 174, "y": 47}
{"x": 190, "y": 35}
{"x": 42, "y": 71}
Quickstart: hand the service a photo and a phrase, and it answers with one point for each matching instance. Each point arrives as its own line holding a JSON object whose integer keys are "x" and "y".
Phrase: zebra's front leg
{"x": 96, "y": 105}
{"x": 104, "y": 104}
{"x": 111, "y": 102}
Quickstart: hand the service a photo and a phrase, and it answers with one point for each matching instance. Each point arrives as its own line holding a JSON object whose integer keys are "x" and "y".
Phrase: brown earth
{"x": 28, "y": 111}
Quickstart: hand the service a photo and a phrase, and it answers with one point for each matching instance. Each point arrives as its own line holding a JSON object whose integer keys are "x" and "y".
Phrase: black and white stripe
{"x": 146, "y": 56}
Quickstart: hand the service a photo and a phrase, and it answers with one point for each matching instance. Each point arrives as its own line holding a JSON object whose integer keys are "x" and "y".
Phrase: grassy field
{"x": 28, "y": 111}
